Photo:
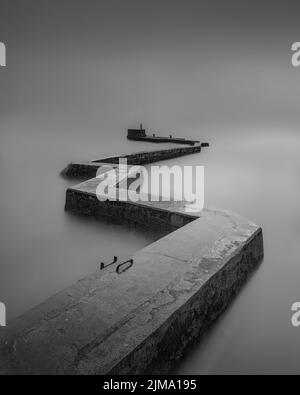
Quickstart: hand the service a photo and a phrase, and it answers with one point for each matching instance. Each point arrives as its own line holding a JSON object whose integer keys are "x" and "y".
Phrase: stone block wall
{"x": 120, "y": 212}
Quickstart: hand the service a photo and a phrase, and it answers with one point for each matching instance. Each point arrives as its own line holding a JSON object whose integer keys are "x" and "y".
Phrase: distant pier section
{"x": 85, "y": 170}
{"x": 141, "y": 135}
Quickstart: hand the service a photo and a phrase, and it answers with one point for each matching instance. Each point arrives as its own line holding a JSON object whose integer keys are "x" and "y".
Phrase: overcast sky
{"x": 115, "y": 63}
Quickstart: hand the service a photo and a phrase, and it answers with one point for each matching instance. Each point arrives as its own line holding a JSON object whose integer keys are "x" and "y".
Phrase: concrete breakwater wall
{"x": 155, "y": 139}
{"x": 142, "y": 320}
{"x": 163, "y": 216}
{"x": 89, "y": 169}
{"x": 145, "y": 157}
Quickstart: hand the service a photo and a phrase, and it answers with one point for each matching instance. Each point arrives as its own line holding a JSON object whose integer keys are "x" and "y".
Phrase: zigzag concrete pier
{"x": 139, "y": 320}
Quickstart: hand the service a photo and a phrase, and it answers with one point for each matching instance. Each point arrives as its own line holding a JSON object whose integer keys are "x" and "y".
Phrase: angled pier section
{"x": 89, "y": 169}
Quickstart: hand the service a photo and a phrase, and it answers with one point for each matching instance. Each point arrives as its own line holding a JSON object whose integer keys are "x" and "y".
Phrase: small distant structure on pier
{"x": 137, "y": 133}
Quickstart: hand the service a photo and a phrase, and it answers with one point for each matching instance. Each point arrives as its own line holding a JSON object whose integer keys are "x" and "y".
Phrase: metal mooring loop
{"x": 103, "y": 266}
{"x": 130, "y": 261}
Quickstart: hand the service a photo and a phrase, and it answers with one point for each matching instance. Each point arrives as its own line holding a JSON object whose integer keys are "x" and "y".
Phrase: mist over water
{"x": 258, "y": 177}
{"x": 79, "y": 73}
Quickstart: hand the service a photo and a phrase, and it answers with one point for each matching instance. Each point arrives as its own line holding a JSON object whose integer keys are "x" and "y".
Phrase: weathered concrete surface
{"x": 87, "y": 170}
{"x": 142, "y": 320}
